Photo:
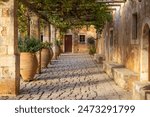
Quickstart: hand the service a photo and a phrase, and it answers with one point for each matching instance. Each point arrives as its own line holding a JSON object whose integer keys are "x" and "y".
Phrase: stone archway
{"x": 145, "y": 53}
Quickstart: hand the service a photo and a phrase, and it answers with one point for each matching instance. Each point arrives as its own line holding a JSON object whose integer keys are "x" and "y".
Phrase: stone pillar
{"x": 28, "y": 27}
{"x": 9, "y": 57}
{"x": 53, "y": 37}
{"x": 35, "y": 26}
{"x": 53, "y": 34}
{"x": 46, "y": 36}
{"x": 75, "y": 43}
{"x": 35, "y": 32}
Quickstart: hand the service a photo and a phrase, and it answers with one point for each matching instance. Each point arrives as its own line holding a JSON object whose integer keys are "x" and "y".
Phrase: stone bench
{"x": 141, "y": 91}
{"x": 121, "y": 75}
{"x": 109, "y": 66}
{"x": 99, "y": 58}
{"x": 125, "y": 78}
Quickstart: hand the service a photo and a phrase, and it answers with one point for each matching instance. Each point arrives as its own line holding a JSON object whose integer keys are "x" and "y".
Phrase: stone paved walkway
{"x": 72, "y": 76}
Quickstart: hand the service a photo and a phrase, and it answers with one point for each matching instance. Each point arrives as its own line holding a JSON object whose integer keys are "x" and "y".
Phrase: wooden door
{"x": 68, "y": 43}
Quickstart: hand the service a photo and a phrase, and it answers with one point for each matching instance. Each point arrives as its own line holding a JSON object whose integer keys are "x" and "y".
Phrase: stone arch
{"x": 145, "y": 52}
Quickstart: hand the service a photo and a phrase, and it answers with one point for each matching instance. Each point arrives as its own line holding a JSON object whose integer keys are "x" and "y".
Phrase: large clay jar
{"x": 28, "y": 65}
{"x": 59, "y": 50}
{"x": 38, "y": 56}
{"x": 56, "y": 51}
{"x": 45, "y": 57}
{"x": 51, "y": 54}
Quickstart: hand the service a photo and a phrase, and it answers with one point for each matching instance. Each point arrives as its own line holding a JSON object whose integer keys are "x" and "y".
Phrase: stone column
{"x": 75, "y": 44}
{"x": 53, "y": 37}
{"x": 46, "y": 36}
{"x": 9, "y": 57}
{"x": 35, "y": 26}
{"x": 53, "y": 34}
{"x": 35, "y": 32}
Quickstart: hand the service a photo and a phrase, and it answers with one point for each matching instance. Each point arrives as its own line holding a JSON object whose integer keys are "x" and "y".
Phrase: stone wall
{"x": 88, "y": 32}
{"x": 125, "y": 48}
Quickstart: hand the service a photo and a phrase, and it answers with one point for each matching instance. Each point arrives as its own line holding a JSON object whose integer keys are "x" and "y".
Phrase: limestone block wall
{"x": 9, "y": 57}
{"x": 125, "y": 49}
{"x": 88, "y": 32}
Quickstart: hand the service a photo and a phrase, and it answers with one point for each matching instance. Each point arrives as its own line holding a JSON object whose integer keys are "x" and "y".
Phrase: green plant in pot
{"x": 45, "y": 54}
{"x": 91, "y": 45}
{"x": 28, "y": 59}
{"x": 59, "y": 43}
{"x": 57, "y": 48}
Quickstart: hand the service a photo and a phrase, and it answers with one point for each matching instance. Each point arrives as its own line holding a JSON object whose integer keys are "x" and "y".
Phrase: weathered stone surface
{"x": 108, "y": 67}
{"x": 35, "y": 26}
{"x": 122, "y": 48}
{"x": 9, "y": 57}
{"x": 72, "y": 76}
{"x": 99, "y": 58}
{"x": 46, "y": 34}
{"x": 121, "y": 75}
{"x": 124, "y": 77}
{"x": 129, "y": 44}
{"x": 141, "y": 91}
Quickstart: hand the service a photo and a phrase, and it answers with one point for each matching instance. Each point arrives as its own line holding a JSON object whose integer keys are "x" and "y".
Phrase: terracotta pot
{"x": 56, "y": 51}
{"x": 38, "y": 56}
{"x": 51, "y": 54}
{"x": 45, "y": 57}
{"x": 59, "y": 50}
{"x": 28, "y": 65}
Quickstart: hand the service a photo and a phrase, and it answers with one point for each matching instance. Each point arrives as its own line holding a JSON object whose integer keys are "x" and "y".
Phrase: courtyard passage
{"x": 72, "y": 76}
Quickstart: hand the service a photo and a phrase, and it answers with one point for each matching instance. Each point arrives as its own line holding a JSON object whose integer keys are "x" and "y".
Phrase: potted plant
{"x": 45, "y": 54}
{"x": 59, "y": 43}
{"x": 51, "y": 52}
{"x": 91, "y": 44}
{"x": 28, "y": 59}
{"x": 56, "y": 49}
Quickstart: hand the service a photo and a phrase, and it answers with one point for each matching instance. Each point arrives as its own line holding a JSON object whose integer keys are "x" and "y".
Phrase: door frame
{"x": 145, "y": 52}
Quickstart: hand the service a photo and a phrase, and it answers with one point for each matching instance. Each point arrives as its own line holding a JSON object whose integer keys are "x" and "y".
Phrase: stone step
{"x": 141, "y": 91}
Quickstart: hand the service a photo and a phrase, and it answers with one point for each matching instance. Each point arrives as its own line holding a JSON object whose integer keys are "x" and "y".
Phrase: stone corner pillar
{"x": 9, "y": 57}
{"x": 75, "y": 43}
{"x": 34, "y": 26}
{"x": 46, "y": 36}
{"x": 53, "y": 37}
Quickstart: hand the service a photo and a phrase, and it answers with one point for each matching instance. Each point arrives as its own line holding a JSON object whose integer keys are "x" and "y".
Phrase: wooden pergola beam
{"x": 108, "y": 1}
{"x": 111, "y": 9}
{"x": 113, "y": 5}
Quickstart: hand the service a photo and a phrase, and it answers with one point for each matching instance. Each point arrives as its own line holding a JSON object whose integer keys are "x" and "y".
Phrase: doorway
{"x": 68, "y": 43}
{"x": 145, "y": 54}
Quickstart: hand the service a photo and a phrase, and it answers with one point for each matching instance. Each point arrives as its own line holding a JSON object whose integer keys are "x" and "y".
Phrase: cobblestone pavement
{"x": 72, "y": 76}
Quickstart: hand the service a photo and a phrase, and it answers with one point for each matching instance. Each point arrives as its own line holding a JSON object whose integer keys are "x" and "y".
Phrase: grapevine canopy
{"x": 65, "y": 14}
